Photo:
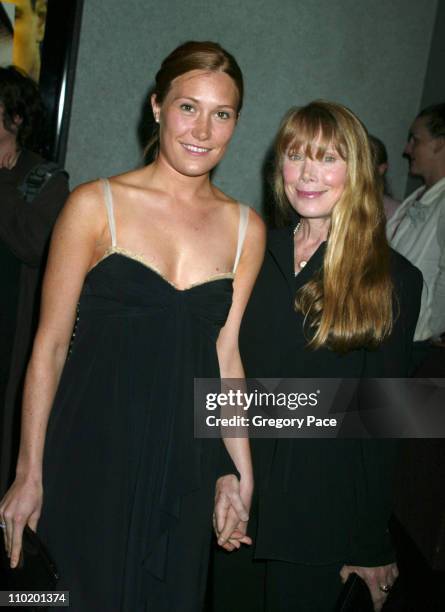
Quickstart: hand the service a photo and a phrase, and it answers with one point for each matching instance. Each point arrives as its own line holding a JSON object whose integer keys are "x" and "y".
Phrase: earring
{"x": 157, "y": 118}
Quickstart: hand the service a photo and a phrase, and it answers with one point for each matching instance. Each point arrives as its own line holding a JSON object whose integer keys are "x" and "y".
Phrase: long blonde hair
{"x": 349, "y": 304}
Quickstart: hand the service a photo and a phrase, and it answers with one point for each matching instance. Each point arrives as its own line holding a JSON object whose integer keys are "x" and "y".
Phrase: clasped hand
{"x": 231, "y": 513}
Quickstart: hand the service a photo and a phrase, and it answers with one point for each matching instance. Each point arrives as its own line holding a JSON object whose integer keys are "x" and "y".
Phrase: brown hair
{"x": 378, "y": 149}
{"x": 20, "y": 97}
{"x": 435, "y": 119}
{"x": 349, "y": 304}
{"x": 194, "y": 55}
{"x": 380, "y": 156}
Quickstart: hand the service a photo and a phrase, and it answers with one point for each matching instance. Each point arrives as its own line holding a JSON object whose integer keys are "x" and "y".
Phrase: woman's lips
{"x": 195, "y": 150}
{"x": 310, "y": 194}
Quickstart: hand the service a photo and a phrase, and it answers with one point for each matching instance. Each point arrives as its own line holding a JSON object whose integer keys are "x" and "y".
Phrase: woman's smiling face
{"x": 197, "y": 120}
{"x": 314, "y": 179}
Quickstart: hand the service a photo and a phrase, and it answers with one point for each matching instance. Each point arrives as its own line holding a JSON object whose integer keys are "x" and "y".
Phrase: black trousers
{"x": 240, "y": 584}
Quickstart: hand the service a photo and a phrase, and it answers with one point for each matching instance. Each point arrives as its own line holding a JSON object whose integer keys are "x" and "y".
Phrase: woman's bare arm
{"x": 233, "y": 498}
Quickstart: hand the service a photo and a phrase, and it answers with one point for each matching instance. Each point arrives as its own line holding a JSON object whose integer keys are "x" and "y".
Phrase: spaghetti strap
{"x": 242, "y": 229}
{"x": 110, "y": 211}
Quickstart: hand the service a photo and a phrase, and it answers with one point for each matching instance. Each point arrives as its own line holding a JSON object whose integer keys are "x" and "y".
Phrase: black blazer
{"x": 322, "y": 501}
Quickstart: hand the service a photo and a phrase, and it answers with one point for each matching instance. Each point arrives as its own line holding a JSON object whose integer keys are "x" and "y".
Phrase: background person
{"x": 156, "y": 266}
{"x": 380, "y": 153}
{"x": 25, "y": 227}
{"x": 417, "y": 230}
{"x": 332, "y": 300}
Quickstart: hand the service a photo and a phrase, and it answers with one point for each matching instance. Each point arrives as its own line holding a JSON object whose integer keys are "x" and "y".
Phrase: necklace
{"x": 303, "y": 262}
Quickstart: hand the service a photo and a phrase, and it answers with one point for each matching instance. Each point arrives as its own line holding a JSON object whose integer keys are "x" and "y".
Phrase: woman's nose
{"x": 307, "y": 170}
{"x": 201, "y": 128}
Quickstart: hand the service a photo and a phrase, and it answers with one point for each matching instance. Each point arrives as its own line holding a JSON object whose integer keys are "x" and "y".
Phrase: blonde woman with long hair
{"x": 332, "y": 300}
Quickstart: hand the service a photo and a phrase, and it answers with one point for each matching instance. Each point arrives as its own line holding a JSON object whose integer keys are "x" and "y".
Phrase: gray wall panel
{"x": 434, "y": 86}
{"x": 371, "y": 56}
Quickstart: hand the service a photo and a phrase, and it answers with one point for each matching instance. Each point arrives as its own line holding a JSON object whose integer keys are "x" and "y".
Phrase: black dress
{"x": 128, "y": 491}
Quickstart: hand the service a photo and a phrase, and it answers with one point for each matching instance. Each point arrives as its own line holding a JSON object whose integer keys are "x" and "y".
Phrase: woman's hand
{"x": 231, "y": 514}
{"x": 379, "y": 580}
{"x": 20, "y": 506}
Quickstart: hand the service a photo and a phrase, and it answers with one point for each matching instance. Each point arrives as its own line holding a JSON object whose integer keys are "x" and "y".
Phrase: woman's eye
{"x": 187, "y": 107}
{"x": 223, "y": 115}
{"x": 330, "y": 158}
{"x": 295, "y": 156}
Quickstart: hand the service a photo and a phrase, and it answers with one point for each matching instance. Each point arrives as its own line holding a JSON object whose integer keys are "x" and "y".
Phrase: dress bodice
{"x": 120, "y": 285}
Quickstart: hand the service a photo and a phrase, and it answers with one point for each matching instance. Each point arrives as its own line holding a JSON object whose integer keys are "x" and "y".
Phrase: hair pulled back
{"x": 194, "y": 55}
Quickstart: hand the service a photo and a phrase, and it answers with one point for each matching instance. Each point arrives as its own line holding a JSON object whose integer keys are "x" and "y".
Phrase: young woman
{"x": 332, "y": 300}
{"x": 154, "y": 267}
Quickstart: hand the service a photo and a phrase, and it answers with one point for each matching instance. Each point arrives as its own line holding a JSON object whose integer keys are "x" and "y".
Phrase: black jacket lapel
{"x": 281, "y": 247}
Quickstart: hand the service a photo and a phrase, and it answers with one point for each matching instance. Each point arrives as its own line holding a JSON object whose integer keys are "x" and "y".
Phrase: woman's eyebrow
{"x": 186, "y": 98}
{"x": 196, "y": 101}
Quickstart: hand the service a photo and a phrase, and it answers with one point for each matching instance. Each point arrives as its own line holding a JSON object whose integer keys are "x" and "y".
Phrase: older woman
{"x": 332, "y": 300}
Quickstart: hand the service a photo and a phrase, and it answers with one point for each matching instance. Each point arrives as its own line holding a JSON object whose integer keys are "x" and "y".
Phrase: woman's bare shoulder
{"x": 136, "y": 185}
{"x": 255, "y": 221}
{"x": 221, "y": 197}
{"x": 256, "y": 228}
{"x": 85, "y": 205}
{"x": 137, "y": 178}
{"x": 224, "y": 198}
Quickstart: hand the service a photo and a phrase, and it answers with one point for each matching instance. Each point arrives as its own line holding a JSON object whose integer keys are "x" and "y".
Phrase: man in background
{"x": 32, "y": 192}
{"x": 417, "y": 228}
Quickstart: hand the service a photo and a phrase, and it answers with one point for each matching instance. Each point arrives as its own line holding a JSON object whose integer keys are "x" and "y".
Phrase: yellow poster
{"x": 22, "y": 28}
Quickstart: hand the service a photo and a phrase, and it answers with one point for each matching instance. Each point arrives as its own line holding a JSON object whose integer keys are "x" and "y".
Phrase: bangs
{"x": 311, "y": 130}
